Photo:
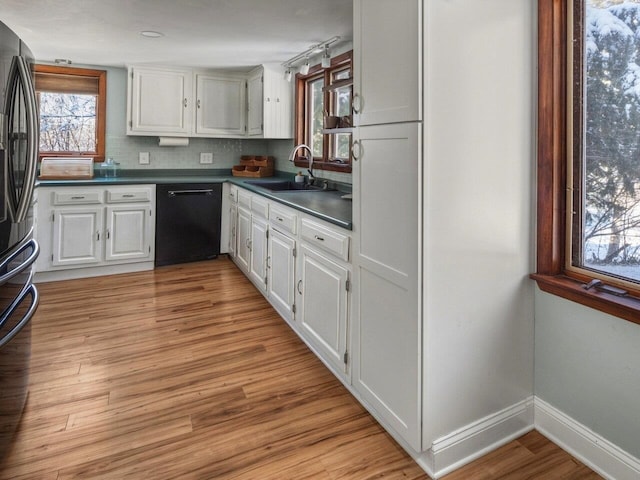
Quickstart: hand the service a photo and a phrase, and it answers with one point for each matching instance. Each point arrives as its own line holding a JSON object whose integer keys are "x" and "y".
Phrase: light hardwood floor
{"x": 186, "y": 372}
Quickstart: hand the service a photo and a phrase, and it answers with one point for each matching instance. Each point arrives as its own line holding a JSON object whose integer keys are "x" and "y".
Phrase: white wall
{"x": 478, "y": 195}
{"x": 588, "y": 367}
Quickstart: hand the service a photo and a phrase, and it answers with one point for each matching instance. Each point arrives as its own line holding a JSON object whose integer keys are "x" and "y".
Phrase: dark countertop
{"x": 326, "y": 205}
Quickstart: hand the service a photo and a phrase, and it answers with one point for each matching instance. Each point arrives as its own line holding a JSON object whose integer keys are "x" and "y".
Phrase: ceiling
{"x": 236, "y": 34}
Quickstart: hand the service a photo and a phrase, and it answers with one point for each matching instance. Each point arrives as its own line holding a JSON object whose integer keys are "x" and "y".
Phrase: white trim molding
{"x": 477, "y": 439}
{"x": 593, "y": 450}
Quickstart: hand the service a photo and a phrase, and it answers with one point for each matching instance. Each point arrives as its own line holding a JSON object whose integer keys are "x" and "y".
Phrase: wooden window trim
{"x": 300, "y": 123}
{"x": 551, "y": 273}
{"x": 101, "y": 106}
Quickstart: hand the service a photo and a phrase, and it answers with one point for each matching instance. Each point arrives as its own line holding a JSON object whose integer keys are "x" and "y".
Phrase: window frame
{"x": 552, "y": 273}
{"x": 339, "y": 62}
{"x": 101, "y": 108}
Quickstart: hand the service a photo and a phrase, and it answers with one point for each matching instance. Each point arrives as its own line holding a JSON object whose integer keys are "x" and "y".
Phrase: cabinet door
{"x": 258, "y": 244}
{"x": 277, "y": 103}
{"x": 129, "y": 233}
{"x": 233, "y": 226}
{"x": 77, "y": 236}
{"x": 387, "y": 269}
{"x": 243, "y": 229}
{"x": 160, "y": 101}
{"x": 255, "y": 119}
{"x": 387, "y": 62}
{"x": 322, "y": 295}
{"x": 220, "y": 105}
{"x": 281, "y": 272}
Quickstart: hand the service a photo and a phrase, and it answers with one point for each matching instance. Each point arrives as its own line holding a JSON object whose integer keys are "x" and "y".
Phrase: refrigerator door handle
{"x": 8, "y": 270}
{"x": 32, "y": 291}
{"x": 28, "y": 184}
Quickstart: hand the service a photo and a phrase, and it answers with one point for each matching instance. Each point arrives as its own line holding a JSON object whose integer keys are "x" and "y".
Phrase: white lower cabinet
{"x": 387, "y": 275}
{"x": 281, "y": 269}
{"x": 243, "y": 229}
{"x": 301, "y": 266}
{"x": 76, "y": 236}
{"x": 258, "y": 247}
{"x": 127, "y": 233}
{"x": 323, "y": 298}
{"x": 82, "y": 227}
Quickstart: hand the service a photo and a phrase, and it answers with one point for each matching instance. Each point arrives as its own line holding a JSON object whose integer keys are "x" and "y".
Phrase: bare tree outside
{"x": 67, "y": 122}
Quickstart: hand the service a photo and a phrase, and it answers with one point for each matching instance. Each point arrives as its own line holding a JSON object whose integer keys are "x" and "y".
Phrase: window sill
{"x": 328, "y": 166}
{"x": 627, "y": 307}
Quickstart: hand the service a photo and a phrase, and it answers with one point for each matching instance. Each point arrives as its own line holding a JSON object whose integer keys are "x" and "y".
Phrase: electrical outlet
{"x": 143, "y": 158}
{"x": 206, "y": 158}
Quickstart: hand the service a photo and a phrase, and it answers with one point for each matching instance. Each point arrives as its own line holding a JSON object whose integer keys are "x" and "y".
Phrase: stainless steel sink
{"x": 285, "y": 186}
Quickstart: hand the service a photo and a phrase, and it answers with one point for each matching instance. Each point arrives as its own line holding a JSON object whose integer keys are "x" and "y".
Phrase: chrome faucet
{"x": 292, "y": 157}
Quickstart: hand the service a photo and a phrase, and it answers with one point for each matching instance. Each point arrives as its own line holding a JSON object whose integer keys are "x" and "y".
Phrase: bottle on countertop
{"x": 109, "y": 168}
{"x": 299, "y": 178}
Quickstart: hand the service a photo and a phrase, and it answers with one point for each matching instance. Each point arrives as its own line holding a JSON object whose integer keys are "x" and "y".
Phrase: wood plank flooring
{"x": 186, "y": 372}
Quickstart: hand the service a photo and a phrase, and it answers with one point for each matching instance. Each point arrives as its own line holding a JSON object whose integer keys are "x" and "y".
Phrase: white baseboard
{"x": 86, "y": 272}
{"x": 587, "y": 446}
{"x": 477, "y": 439}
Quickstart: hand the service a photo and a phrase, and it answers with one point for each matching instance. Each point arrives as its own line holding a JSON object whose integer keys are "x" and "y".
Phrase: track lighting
{"x": 304, "y": 69}
{"x": 314, "y": 49}
{"x": 326, "y": 58}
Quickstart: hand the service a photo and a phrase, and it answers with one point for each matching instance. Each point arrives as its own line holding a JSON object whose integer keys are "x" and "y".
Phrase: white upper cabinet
{"x": 220, "y": 105}
{"x": 255, "y": 118}
{"x": 168, "y": 101}
{"x": 159, "y": 101}
{"x": 387, "y": 64}
{"x": 270, "y": 102}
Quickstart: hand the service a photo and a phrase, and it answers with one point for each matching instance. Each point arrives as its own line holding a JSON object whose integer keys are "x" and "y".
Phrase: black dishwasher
{"x": 187, "y": 222}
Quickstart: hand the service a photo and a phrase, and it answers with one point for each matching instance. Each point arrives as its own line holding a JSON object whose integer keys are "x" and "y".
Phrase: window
{"x": 72, "y": 106}
{"x": 589, "y": 153}
{"x": 320, "y": 93}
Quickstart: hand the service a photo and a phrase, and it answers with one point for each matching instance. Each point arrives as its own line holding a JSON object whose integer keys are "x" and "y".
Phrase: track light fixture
{"x": 326, "y": 58}
{"x": 314, "y": 49}
{"x": 304, "y": 69}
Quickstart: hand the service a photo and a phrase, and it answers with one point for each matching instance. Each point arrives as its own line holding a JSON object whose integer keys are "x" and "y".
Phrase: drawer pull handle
{"x": 128, "y": 195}
{"x": 79, "y": 197}
{"x": 280, "y": 219}
{"x": 320, "y": 239}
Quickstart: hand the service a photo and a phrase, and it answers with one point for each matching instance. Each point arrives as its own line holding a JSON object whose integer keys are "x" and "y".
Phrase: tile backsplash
{"x": 226, "y": 153}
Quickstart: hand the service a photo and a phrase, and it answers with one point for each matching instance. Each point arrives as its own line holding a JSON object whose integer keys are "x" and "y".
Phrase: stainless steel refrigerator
{"x": 18, "y": 248}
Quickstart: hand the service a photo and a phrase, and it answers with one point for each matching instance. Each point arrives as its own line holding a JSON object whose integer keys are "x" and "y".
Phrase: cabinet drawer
{"x": 81, "y": 197}
{"x": 244, "y": 199}
{"x": 127, "y": 196}
{"x": 284, "y": 219}
{"x": 260, "y": 207}
{"x": 325, "y": 238}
